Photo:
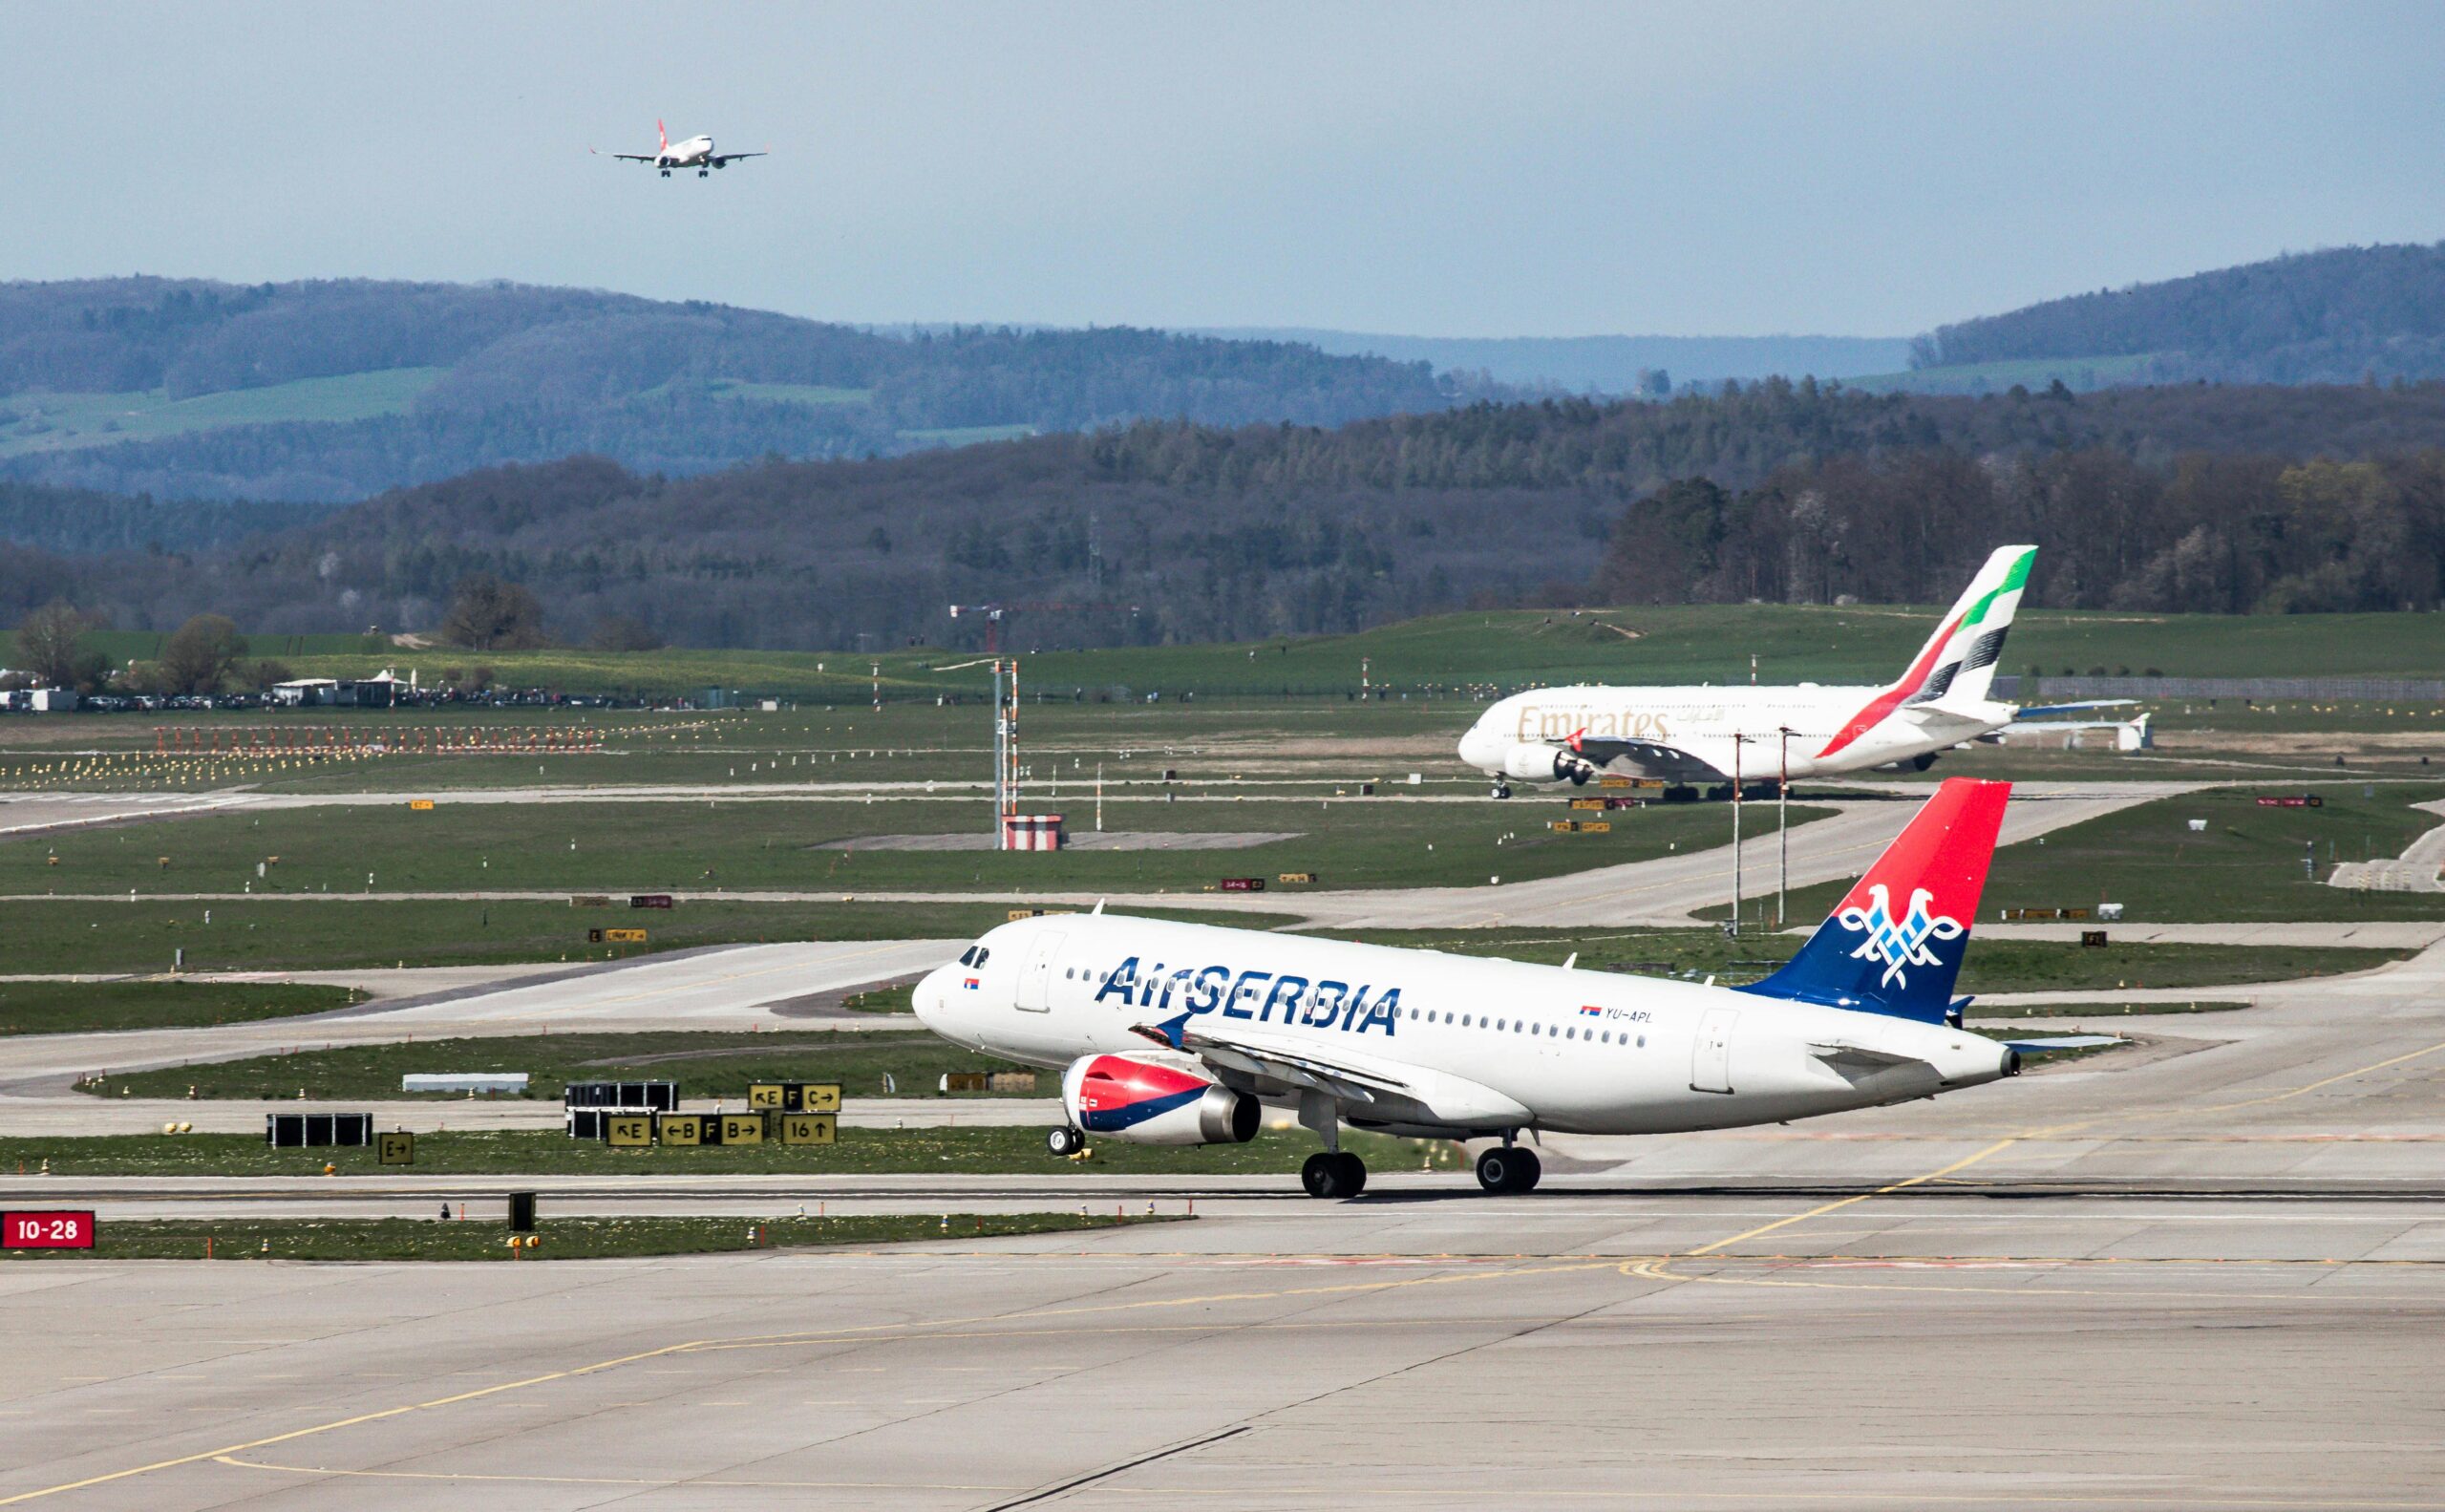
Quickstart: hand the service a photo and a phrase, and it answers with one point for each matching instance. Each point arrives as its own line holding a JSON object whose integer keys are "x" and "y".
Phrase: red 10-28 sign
{"x": 47, "y": 1230}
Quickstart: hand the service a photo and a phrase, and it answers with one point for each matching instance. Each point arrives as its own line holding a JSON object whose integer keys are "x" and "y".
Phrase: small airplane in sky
{"x": 697, "y": 152}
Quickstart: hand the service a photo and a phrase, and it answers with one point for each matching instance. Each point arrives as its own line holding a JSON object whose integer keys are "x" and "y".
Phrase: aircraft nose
{"x": 932, "y": 999}
{"x": 1479, "y": 748}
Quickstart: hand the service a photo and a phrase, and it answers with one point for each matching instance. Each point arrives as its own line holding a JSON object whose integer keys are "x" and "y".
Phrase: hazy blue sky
{"x": 1487, "y": 169}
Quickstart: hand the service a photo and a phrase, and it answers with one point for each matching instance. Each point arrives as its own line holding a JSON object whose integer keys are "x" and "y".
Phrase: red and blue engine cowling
{"x": 1148, "y": 1101}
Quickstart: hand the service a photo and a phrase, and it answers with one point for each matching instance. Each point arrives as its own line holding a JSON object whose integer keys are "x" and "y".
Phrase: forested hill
{"x": 2319, "y": 317}
{"x": 335, "y": 391}
{"x": 2194, "y": 498}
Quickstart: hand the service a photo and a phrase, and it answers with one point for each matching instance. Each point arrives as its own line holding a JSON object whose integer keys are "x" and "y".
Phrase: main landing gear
{"x": 1065, "y": 1142}
{"x": 1333, "y": 1173}
{"x": 1502, "y": 790}
{"x": 666, "y": 173}
{"x": 1509, "y": 1168}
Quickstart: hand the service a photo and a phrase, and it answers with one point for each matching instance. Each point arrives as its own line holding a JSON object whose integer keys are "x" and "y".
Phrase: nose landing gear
{"x": 1333, "y": 1173}
{"x": 1509, "y": 1168}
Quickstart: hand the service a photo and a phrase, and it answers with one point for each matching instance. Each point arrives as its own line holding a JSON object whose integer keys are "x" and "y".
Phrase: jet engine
{"x": 1149, "y": 1101}
{"x": 1535, "y": 763}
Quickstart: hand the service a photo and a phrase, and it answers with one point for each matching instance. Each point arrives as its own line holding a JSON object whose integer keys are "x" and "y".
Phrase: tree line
{"x": 2231, "y": 500}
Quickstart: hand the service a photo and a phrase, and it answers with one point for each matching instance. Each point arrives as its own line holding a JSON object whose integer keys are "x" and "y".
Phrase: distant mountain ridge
{"x": 2335, "y": 317}
{"x": 1604, "y": 365}
{"x": 328, "y": 391}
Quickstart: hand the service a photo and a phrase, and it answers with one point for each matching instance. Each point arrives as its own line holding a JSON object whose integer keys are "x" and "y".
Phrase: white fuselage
{"x": 1473, "y": 1045}
{"x": 1756, "y": 733}
{"x": 686, "y": 154}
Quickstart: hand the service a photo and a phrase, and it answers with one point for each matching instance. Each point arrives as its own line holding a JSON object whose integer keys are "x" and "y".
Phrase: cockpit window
{"x": 974, "y": 955}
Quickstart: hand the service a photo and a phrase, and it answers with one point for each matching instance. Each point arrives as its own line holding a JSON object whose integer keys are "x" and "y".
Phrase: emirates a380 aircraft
{"x": 1179, "y": 1033}
{"x": 697, "y": 152}
{"x": 1708, "y": 734}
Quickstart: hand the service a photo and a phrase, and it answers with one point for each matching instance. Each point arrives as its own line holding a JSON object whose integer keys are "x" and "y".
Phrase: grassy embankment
{"x": 390, "y": 1239}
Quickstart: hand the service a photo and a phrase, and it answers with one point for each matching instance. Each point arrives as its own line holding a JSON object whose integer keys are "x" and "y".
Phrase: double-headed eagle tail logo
{"x": 1898, "y": 943}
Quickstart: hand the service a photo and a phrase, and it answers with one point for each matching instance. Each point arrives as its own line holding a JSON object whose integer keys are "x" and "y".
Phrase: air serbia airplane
{"x": 697, "y": 152}
{"x": 1712, "y": 734}
{"x": 1179, "y": 1033}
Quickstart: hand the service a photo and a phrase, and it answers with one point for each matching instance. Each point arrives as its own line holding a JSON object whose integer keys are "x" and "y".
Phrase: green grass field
{"x": 705, "y": 1065}
{"x": 2248, "y": 865}
{"x": 861, "y": 1152}
{"x": 1694, "y": 643}
{"x": 394, "y": 1239}
{"x": 700, "y": 847}
{"x": 67, "y": 1008}
{"x": 60, "y": 936}
{"x": 48, "y": 422}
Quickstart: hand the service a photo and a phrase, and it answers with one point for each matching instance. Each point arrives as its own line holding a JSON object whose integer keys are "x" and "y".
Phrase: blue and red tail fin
{"x": 1894, "y": 943}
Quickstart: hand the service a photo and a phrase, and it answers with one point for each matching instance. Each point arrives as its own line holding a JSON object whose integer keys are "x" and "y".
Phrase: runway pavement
{"x": 2208, "y": 1273}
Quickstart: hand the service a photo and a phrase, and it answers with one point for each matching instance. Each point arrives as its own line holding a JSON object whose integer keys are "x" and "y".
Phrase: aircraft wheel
{"x": 702, "y": 174}
{"x": 1508, "y": 1168}
{"x": 1502, "y": 790}
{"x": 666, "y": 173}
{"x": 1065, "y": 1142}
{"x": 1329, "y": 1175}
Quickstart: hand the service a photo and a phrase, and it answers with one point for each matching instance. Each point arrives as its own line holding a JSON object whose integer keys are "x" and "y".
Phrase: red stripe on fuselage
{"x": 1885, "y": 702}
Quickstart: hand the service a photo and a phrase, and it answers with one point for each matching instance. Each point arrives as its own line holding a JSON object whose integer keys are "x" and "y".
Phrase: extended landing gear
{"x": 1502, "y": 790}
{"x": 1333, "y": 1173}
{"x": 702, "y": 174}
{"x": 1509, "y": 1168}
{"x": 1065, "y": 1142}
{"x": 666, "y": 173}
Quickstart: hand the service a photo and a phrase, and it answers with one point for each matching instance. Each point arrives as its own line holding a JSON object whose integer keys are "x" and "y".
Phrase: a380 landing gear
{"x": 1333, "y": 1173}
{"x": 1065, "y": 1142}
{"x": 1509, "y": 1168}
{"x": 1502, "y": 790}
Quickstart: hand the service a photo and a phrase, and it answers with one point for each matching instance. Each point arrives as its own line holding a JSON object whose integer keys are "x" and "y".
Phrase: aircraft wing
{"x": 720, "y": 158}
{"x": 1298, "y": 1067}
{"x": 1645, "y": 759}
{"x": 625, "y": 157}
{"x": 1374, "y": 1088}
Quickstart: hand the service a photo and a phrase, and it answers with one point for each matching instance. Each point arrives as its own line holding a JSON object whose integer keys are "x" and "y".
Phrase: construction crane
{"x": 993, "y": 614}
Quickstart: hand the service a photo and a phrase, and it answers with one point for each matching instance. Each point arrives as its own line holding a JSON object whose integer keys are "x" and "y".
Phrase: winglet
{"x": 1894, "y": 942}
{"x": 1171, "y": 1031}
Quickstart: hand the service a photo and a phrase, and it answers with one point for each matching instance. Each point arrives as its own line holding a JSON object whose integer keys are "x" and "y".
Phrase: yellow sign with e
{"x": 628, "y": 1131}
{"x": 766, "y": 1094}
{"x": 810, "y": 1128}
{"x": 397, "y": 1148}
{"x": 420, "y": 805}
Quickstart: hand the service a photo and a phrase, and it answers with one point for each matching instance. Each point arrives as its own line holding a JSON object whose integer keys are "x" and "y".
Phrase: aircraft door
{"x": 1711, "y": 1056}
{"x": 1036, "y": 977}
